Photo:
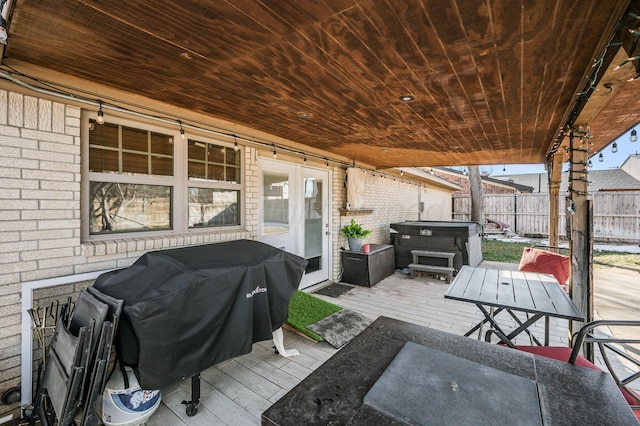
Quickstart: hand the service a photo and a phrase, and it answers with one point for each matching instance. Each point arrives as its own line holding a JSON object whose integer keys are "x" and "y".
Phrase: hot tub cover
{"x": 187, "y": 309}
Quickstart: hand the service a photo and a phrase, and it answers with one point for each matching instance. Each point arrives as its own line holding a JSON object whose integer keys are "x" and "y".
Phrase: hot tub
{"x": 462, "y": 238}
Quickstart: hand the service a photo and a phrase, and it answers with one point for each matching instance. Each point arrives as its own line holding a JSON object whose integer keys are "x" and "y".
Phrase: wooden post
{"x": 554, "y": 173}
{"x": 581, "y": 241}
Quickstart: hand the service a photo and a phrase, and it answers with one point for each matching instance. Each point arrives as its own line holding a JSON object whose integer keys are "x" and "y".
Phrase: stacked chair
{"x": 78, "y": 360}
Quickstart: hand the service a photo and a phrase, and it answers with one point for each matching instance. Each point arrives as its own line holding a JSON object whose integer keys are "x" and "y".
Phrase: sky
{"x": 611, "y": 160}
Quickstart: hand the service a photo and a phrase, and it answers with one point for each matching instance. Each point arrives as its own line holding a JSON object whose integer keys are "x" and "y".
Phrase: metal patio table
{"x": 497, "y": 290}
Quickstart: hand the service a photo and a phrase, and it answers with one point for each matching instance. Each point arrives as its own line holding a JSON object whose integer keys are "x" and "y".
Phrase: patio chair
{"x": 621, "y": 359}
{"x": 535, "y": 259}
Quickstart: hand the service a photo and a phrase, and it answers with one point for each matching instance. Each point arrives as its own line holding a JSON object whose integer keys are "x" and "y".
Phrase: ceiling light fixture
{"x": 100, "y": 116}
{"x": 304, "y": 115}
{"x": 406, "y": 98}
{"x": 614, "y": 148}
{"x": 634, "y": 136}
{"x": 601, "y": 158}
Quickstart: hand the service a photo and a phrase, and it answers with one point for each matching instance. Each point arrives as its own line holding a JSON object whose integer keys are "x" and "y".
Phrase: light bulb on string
{"x": 600, "y": 158}
{"x": 100, "y": 116}
{"x": 304, "y": 158}
{"x": 327, "y": 160}
{"x": 182, "y": 135}
{"x": 614, "y": 148}
{"x": 589, "y": 163}
{"x": 235, "y": 144}
{"x": 275, "y": 154}
{"x": 634, "y": 136}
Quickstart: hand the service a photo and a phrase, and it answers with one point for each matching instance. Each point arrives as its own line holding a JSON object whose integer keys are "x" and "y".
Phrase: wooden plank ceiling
{"x": 493, "y": 81}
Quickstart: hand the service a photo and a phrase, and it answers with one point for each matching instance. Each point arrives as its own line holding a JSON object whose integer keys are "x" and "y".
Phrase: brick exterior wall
{"x": 40, "y": 216}
{"x": 391, "y": 200}
{"x": 40, "y": 225}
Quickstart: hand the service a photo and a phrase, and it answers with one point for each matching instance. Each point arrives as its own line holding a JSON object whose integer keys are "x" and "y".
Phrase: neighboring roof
{"x": 511, "y": 184}
{"x": 599, "y": 180}
{"x": 431, "y": 179}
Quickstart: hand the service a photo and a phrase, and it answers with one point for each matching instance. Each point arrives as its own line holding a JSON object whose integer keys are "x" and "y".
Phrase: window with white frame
{"x": 141, "y": 180}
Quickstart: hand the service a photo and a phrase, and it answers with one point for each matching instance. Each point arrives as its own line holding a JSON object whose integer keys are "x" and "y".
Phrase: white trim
{"x": 26, "y": 351}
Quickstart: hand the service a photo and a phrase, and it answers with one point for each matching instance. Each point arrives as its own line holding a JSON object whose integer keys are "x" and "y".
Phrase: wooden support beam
{"x": 580, "y": 208}
{"x": 554, "y": 174}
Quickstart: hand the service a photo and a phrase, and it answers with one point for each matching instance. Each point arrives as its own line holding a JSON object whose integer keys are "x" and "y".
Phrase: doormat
{"x": 334, "y": 290}
{"x": 339, "y": 328}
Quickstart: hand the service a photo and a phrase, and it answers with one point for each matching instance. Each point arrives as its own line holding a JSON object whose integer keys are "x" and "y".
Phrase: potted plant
{"x": 355, "y": 234}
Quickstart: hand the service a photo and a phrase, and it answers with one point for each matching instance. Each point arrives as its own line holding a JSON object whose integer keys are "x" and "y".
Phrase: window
{"x": 214, "y": 175}
{"x": 136, "y": 179}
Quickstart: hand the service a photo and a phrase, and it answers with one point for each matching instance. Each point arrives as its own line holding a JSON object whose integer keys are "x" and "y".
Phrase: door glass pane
{"x": 313, "y": 231}
{"x": 275, "y": 201}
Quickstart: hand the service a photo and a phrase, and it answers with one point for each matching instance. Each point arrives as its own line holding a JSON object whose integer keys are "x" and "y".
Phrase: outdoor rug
{"x": 339, "y": 328}
{"x": 334, "y": 290}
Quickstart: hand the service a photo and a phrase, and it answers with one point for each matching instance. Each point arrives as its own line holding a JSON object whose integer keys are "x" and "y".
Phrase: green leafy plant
{"x": 355, "y": 230}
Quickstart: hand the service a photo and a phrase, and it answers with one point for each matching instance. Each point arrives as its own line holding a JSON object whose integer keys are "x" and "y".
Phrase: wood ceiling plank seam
{"x": 456, "y": 74}
{"x": 554, "y": 24}
{"x": 330, "y": 57}
{"x": 354, "y": 28}
{"x": 499, "y": 74}
{"x": 401, "y": 23}
{"x": 392, "y": 95}
{"x": 484, "y": 93}
{"x": 139, "y": 28}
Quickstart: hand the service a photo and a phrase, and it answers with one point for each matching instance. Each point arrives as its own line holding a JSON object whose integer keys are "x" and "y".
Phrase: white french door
{"x": 293, "y": 209}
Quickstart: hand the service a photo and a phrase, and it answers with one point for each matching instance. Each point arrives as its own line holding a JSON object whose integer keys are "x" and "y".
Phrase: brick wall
{"x": 40, "y": 215}
{"x": 391, "y": 200}
{"x": 40, "y": 228}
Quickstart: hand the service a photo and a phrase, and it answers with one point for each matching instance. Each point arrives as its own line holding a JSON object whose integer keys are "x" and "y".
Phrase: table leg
{"x": 524, "y": 327}
{"x": 488, "y": 318}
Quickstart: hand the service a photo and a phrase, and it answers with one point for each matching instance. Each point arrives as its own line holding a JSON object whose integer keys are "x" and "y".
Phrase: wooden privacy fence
{"x": 616, "y": 215}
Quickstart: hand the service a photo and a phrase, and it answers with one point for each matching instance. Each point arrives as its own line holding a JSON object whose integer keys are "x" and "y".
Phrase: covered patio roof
{"x": 492, "y": 82}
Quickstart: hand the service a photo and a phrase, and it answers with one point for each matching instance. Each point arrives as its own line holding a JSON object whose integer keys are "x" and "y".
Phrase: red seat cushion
{"x": 562, "y": 354}
{"x": 557, "y": 352}
{"x": 545, "y": 262}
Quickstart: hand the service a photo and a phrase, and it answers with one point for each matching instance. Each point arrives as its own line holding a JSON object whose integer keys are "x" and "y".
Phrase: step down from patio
{"x": 417, "y": 265}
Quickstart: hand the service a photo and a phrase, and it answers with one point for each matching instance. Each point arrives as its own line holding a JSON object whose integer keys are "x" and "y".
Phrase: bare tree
{"x": 477, "y": 194}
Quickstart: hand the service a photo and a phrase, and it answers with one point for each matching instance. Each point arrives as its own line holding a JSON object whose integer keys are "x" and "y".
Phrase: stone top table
{"x": 335, "y": 392}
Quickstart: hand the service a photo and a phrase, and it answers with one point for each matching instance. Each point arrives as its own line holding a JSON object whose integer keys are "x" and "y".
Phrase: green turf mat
{"x": 305, "y": 309}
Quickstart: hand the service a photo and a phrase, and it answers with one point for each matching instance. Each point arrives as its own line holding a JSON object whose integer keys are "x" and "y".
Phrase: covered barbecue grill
{"x": 187, "y": 309}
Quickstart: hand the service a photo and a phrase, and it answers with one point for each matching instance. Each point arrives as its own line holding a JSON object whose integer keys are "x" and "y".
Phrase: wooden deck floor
{"x": 236, "y": 392}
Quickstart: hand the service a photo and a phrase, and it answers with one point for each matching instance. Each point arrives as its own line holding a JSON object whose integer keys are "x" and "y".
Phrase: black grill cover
{"x": 187, "y": 309}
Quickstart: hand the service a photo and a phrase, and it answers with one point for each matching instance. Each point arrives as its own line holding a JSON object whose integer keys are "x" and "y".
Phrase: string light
{"x": 100, "y": 116}
{"x": 275, "y": 154}
{"x": 634, "y": 136}
{"x": 589, "y": 163}
{"x": 614, "y": 148}
{"x": 327, "y": 160}
{"x": 304, "y": 158}
{"x": 182, "y": 135}
{"x": 235, "y": 144}
{"x": 601, "y": 158}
